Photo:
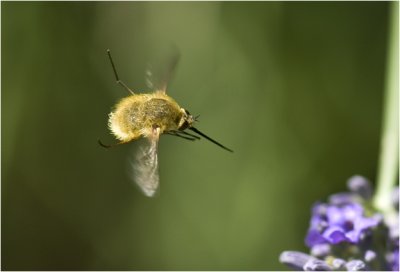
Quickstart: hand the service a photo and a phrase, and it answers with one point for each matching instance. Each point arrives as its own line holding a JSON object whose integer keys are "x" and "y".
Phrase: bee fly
{"x": 150, "y": 115}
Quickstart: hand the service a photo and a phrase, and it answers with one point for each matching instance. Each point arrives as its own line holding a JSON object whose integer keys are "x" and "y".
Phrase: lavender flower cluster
{"x": 348, "y": 234}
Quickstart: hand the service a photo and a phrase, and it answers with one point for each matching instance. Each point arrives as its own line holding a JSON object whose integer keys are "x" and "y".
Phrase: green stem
{"x": 389, "y": 156}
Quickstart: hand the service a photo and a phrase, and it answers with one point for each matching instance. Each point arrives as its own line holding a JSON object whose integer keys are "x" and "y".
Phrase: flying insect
{"x": 149, "y": 115}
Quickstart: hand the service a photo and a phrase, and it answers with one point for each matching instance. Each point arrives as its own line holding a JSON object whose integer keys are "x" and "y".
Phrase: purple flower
{"x": 356, "y": 265}
{"x": 395, "y": 261}
{"x": 338, "y": 263}
{"x": 339, "y": 223}
{"x": 342, "y": 198}
{"x": 346, "y": 234}
{"x": 321, "y": 250}
{"x": 316, "y": 265}
{"x": 301, "y": 261}
{"x": 369, "y": 255}
{"x": 360, "y": 186}
{"x": 295, "y": 259}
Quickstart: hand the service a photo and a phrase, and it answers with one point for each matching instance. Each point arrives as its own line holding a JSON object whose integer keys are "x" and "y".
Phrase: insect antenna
{"x": 116, "y": 75}
{"x": 208, "y": 138}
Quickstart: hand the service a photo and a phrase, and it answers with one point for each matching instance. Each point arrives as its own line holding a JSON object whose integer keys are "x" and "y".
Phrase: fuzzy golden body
{"x": 138, "y": 114}
{"x": 150, "y": 115}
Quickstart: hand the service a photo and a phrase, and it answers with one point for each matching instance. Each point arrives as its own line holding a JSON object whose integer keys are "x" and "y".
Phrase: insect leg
{"x": 188, "y": 134}
{"x": 173, "y": 133}
{"x": 109, "y": 146}
{"x": 116, "y": 75}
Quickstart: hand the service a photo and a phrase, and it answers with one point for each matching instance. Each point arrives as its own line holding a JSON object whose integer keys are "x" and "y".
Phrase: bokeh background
{"x": 294, "y": 88}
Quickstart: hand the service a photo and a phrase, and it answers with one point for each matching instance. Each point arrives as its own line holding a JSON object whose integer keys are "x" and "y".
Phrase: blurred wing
{"x": 158, "y": 79}
{"x": 145, "y": 165}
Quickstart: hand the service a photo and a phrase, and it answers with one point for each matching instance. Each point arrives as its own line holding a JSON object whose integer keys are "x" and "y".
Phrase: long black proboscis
{"x": 208, "y": 138}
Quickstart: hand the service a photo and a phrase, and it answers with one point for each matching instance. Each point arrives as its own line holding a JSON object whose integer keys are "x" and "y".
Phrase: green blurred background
{"x": 294, "y": 88}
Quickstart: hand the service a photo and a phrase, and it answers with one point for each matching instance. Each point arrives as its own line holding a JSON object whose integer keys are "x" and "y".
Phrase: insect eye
{"x": 184, "y": 125}
{"x": 187, "y": 112}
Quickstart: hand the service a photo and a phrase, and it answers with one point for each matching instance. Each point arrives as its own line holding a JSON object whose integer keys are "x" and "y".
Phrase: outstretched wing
{"x": 145, "y": 165}
{"x": 158, "y": 79}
